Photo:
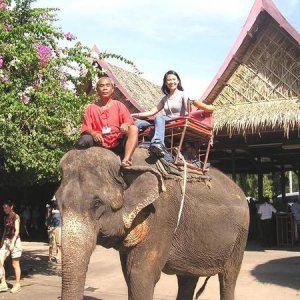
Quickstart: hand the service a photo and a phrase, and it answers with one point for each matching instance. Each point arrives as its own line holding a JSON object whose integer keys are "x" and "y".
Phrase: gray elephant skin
{"x": 131, "y": 211}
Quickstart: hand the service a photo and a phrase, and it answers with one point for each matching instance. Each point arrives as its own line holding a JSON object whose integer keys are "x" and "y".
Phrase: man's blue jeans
{"x": 159, "y": 122}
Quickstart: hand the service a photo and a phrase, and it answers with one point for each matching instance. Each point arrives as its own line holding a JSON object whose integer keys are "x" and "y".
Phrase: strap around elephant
{"x": 183, "y": 190}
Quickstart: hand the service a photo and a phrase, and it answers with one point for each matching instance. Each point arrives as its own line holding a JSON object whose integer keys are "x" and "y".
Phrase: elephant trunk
{"x": 78, "y": 242}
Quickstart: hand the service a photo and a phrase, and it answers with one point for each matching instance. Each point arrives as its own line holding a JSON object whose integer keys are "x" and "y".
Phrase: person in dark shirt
{"x": 11, "y": 245}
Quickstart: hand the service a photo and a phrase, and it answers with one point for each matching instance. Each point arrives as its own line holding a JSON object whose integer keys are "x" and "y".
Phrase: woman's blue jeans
{"x": 159, "y": 122}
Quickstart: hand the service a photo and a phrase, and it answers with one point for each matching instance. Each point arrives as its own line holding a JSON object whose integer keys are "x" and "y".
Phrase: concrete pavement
{"x": 265, "y": 275}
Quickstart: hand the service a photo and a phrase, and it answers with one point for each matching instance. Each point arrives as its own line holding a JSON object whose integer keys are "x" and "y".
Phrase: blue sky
{"x": 192, "y": 37}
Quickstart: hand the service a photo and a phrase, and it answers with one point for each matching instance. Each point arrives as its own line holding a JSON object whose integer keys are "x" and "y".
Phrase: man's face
{"x": 105, "y": 88}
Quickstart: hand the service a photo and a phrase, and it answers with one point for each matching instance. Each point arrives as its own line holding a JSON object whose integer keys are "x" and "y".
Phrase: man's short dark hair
{"x": 104, "y": 77}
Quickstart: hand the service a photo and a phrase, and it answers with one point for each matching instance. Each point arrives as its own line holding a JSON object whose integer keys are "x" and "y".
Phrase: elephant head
{"x": 98, "y": 199}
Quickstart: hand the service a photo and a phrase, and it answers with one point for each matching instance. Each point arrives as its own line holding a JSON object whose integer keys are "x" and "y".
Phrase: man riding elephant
{"x": 105, "y": 123}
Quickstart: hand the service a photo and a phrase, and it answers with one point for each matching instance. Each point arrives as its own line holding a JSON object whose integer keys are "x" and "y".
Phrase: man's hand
{"x": 124, "y": 128}
{"x": 98, "y": 138}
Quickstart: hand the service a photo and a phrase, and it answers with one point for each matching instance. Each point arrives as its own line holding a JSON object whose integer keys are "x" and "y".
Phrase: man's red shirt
{"x": 97, "y": 117}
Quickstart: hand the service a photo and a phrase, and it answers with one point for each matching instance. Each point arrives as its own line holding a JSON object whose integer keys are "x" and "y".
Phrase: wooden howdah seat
{"x": 196, "y": 127}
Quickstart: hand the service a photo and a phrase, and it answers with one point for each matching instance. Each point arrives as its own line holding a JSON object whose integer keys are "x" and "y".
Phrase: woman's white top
{"x": 174, "y": 105}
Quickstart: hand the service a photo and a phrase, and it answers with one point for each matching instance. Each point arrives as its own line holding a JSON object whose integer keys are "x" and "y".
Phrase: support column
{"x": 297, "y": 172}
{"x": 282, "y": 181}
{"x": 233, "y": 165}
{"x": 260, "y": 181}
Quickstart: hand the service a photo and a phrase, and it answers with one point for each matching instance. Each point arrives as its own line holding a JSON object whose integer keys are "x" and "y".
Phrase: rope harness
{"x": 183, "y": 190}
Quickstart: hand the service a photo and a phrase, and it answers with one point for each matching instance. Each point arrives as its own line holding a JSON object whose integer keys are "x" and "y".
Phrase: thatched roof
{"x": 137, "y": 93}
{"x": 258, "y": 86}
{"x": 146, "y": 93}
{"x": 270, "y": 115}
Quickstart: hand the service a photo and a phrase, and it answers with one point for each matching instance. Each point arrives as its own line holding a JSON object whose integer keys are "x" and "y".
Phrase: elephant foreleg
{"x": 142, "y": 268}
{"x": 139, "y": 278}
{"x": 186, "y": 287}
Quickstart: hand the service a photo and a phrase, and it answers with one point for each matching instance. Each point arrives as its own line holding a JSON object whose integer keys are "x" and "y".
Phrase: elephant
{"x": 137, "y": 212}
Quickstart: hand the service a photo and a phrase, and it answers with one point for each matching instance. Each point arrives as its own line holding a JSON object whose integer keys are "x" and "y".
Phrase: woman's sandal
{"x": 126, "y": 163}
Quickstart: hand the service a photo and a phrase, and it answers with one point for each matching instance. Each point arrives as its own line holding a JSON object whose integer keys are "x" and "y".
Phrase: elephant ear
{"x": 144, "y": 187}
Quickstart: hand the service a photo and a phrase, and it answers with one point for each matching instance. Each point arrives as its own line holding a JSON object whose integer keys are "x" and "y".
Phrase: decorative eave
{"x": 104, "y": 65}
{"x": 232, "y": 61}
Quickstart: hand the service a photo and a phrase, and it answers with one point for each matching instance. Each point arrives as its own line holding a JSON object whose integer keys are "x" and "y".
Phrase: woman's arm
{"x": 17, "y": 231}
{"x": 199, "y": 104}
{"x": 149, "y": 113}
{"x": 3, "y": 235}
{"x": 186, "y": 103}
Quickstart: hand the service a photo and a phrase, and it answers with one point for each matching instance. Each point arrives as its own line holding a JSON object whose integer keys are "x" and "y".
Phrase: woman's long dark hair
{"x": 8, "y": 203}
{"x": 164, "y": 87}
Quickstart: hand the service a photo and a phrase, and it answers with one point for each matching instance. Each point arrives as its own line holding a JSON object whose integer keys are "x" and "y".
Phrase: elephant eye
{"x": 97, "y": 203}
{"x": 98, "y": 208}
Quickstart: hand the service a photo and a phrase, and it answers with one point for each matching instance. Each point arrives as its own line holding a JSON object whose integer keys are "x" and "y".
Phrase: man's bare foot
{"x": 126, "y": 163}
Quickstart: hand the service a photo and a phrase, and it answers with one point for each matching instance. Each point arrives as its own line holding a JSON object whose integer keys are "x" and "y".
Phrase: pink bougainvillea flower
{"x": 40, "y": 76}
{"x": 7, "y": 27}
{"x": 69, "y": 36}
{"x": 5, "y": 79}
{"x": 3, "y": 5}
{"x": 63, "y": 83}
{"x": 44, "y": 53}
{"x": 25, "y": 99}
{"x": 1, "y": 61}
{"x": 35, "y": 84}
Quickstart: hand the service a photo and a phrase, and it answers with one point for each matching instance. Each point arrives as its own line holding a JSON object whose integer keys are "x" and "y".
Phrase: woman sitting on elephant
{"x": 174, "y": 104}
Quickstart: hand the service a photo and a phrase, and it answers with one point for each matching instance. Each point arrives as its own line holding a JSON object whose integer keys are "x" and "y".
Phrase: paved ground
{"x": 265, "y": 275}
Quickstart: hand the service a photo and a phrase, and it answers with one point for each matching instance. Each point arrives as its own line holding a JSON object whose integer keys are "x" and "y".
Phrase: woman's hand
{"x": 199, "y": 104}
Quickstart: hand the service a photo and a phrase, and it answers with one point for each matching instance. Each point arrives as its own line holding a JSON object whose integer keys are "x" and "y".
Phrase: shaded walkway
{"x": 278, "y": 271}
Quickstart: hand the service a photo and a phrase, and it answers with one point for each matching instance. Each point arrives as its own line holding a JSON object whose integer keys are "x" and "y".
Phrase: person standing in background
{"x": 266, "y": 211}
{"x": 53, "y": 222}
{"x": 295, "y": 208}
{"x": 11, "y": 245}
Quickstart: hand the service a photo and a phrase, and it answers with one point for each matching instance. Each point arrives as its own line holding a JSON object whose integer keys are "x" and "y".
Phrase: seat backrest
{"x": 203, "y": 117}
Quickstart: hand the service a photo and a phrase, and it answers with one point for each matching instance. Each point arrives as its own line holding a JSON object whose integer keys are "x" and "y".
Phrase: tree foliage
{"x": 41, "y": 106}
{"x": 271, "y": 183}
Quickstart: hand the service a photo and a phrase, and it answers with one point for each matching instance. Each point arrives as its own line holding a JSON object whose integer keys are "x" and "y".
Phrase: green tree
{"x": 248, "y": 183}
{"x": 267, "y": 186}
{"x": 41, "y": 105}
